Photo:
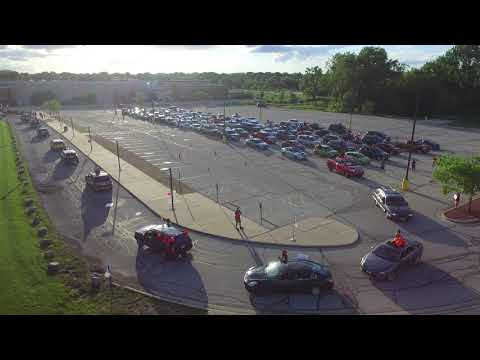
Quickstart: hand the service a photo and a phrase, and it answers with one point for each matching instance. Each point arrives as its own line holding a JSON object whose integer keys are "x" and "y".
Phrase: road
{"x": 213, "y": 277}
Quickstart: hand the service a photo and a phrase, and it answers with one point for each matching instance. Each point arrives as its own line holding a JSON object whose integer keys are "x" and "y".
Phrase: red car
{"x": 388, "y": 148}
{"x": 345, "y": 167}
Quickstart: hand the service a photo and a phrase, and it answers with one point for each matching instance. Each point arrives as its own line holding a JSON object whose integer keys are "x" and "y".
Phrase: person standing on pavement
{"x": 456, "y": 199}
{"x": 284, "y": 257}
{"x": 382, "y": 163}
{"x": 434, "y": 162}
{"x": 414, "y": 164}
{"x": 238, "y": 219}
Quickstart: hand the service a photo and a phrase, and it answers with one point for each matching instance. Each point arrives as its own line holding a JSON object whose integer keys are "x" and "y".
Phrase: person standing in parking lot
{"x": 238, "y": 220}
{"x": 414, "y": 164}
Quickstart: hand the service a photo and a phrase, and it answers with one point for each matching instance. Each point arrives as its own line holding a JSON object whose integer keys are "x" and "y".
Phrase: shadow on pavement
{"x": 371, "y": 184}
{"x": 327, "y": 302}
{"x": 428, "y": 229}
{"x": 94, "y": 209}
{"x": 63, "y": 171}
{"x": 171, "y": 279}
{"x": 425, "y": 288}
{"x": 37, "y": 139}
{"x": 50, "y": 156}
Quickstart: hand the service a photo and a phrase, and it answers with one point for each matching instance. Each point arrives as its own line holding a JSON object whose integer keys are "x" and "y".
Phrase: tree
{"x": 312, "y": 84}
{"x": 39, "y": 97}
{"x": 460, "y": 174}
{"x": 53, "y": 106}
{"x": 139, "y": 99}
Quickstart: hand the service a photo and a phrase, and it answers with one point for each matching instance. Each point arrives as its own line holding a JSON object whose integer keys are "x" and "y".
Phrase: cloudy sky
{"x": 191, "y": 58}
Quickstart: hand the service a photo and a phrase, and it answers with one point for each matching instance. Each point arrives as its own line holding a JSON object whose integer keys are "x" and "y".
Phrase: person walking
{"x": 382, "y": 163}
{"x": 456, "y": 199}
{"x": 414, "y": 164}
{"x": 434, "y": 161}
{"x": 238, "y": 219}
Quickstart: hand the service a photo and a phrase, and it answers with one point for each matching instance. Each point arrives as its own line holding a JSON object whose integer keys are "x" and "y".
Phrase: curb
{"x": 475, "y": 221}
{"x": 210, "y": 234}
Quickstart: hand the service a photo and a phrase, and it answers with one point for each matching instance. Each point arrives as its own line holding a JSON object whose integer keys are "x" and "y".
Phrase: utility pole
{"x": 405, "y": 182}
{"x": 171, "y": 188}
{"x": 73, "y": 129}
{"x": 90, "y": 139}
{"x": 118, "y": 190}
{"x": 224, "y": 124}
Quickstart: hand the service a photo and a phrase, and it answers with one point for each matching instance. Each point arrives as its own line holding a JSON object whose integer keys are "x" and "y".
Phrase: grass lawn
{"x": 25, "y": 287}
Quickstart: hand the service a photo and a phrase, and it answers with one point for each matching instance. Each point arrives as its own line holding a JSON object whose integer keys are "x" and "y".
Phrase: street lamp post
{"x": 171, "y": 188}
{"x": 405, "y": 182}
{"x": 118, "y": 190}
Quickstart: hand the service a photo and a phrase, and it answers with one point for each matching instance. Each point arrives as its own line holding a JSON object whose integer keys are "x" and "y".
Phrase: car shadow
{"x": 94, "y": 209}
{"x": 425, "y": 288}
{"x": 327, "y": 302}
{"x": 176, "y": 280}
{"x": 50, "y": 156}
{"x": 371, "y": 184}
{"x": 63, "y": 170}
{"x": 427, "y": 229}
{"x": 37, "y": 139}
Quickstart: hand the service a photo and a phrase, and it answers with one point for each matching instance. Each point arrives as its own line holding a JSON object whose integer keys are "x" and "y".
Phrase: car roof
{"x": 163, "y": 228}
{"x": 389, "y": 191}
{"x": 69, "y": 151}
{"x": 57, "y": 141}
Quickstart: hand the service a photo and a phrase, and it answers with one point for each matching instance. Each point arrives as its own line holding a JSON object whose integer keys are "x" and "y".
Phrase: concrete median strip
{"x": 198, "y": 213}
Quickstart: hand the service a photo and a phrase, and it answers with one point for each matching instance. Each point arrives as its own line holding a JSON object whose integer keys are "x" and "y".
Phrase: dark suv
{"x": 373, "y": 153}
{"x": 157, "y": 237}
{"x": 392, "y": 203}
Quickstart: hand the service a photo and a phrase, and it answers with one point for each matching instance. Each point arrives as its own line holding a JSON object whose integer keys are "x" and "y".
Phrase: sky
{"x": 192, "y": 58}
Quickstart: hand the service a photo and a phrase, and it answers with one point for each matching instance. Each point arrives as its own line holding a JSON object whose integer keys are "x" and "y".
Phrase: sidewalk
{"x": 197, "y": 212}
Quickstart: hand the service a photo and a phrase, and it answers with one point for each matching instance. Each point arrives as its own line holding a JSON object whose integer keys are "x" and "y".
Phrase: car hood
{"x": 256, "y": 273}
{"x": 375, "y": 264}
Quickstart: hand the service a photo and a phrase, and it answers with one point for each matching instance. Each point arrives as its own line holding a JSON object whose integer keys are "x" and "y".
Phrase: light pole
{"x": 405, "y": 182}
{"x": 171, "y": 188}
{"x": 118, "y": 190}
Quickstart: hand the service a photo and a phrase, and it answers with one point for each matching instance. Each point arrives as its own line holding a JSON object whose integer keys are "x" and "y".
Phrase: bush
{"x": 368, "y": 107}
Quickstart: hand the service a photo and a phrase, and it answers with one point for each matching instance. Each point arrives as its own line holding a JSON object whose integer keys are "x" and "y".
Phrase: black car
{"x": 338, "y": 145}
{"x": 330, "y": 137}
{"x": 338, "y": 128}
{"x": 373, "y": 152}
{"x": 156, "y": 238}
{"x": 379, "y": 134}
{"x": 435, "y": 146}
{"x": 392, "y": 203}
{"x": 386, "y": 260}
{"x": 321, "y": 132}
{"x": 294, "y": 276}
{"x": 372, "y": 139}
{"x": 43, "y": 132}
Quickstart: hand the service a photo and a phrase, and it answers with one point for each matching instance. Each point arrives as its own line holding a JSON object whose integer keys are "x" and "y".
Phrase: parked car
{"x": 43, "y": 132}
{"x": 156, "y": 237}
{"x": 413, "y": 147}
{"x": 294, "y": 276}
{"x": 385, "y": 260}
{"x": 98, "y": 180}
{"x": 435, "y": 146}
{"x": 371, "y": 139}
{"x": 338, "y": 128}
{"x": 257, "y": 143}
{"x": 57, "y": 145}
{"x": 379, "y": 134}
{"x": 330, "y": 137}
{"x": 388, "y": 148}
{"x": 344, "y": 167}
{"x": 357, "y": 157}
{"x": 293, "y": 143}
{"x": 308, "y": 140}
{"x": 392, "y": 203}
{"x": 293, "y": 153}
{"x": 373, "y": 152}
{"x": 338, "y": 145}
{"x": 232, "y": 135}
{"x": 325, "y": 151}
{"x": 69, "y": 157}
{"x": 321, "y": 132}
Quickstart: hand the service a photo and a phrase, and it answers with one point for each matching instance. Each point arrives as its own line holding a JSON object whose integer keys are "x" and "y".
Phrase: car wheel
{"x": 391, "y": 276}
{"x": 140, "y": 244}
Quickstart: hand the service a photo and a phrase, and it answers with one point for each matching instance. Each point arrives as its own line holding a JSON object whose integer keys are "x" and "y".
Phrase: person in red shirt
{"x": 399, "y": 241}
{"x": 238, "y": 220}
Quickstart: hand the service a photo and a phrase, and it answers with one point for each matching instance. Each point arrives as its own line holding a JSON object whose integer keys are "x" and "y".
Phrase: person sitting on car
{"x": 284, "y": 257}
{"x": 399, "y": 241}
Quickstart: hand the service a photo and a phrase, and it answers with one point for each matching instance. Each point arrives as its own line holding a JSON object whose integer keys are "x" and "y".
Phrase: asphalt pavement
{"x": 447, "y": 281}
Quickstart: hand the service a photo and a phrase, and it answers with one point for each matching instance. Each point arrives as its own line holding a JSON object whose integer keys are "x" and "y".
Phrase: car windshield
{"x": 386, "y": 252}
{"x": 102, "y": 178}
{"x": 274, "y": 269}
{"x": 395, "y": 200}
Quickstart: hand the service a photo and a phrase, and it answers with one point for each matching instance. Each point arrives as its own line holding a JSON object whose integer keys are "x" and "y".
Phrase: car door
{"x": 407, "y": 255}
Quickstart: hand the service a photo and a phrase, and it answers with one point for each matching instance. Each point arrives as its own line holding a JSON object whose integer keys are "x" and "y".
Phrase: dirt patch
{"x": 461, "y": 213}
{"x": 149, "y": 169}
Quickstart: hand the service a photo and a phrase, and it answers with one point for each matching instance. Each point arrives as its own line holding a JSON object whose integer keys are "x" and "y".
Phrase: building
{"x": 19, "y": 92}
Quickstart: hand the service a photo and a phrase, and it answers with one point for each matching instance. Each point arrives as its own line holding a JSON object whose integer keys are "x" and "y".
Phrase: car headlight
{"x": 252, "y": 283}
{"x": 393, "y": 214}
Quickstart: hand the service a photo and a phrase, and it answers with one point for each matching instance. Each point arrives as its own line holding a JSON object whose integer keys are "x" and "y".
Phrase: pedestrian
{"x": 398, "y": 240}
{"x": 284, "y": 257}
{"x": 414, "y": 163}
{"x": 238, "y": 220}
{"x": 168, "y": 222}
{"x": 456, "y": 199}
{"x": 434, "y": 161}
{"x": 382, "y": 163}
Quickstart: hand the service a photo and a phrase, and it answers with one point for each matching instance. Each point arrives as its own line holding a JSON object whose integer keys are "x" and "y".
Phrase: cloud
{"x": 286, "y": 53}
{"x": 48, "y": 47}
{"x": 20, "y": 54}
{"x": 188, "y": 47}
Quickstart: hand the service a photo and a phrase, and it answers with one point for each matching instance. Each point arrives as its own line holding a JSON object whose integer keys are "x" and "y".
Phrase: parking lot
{"x": 214, "y": 277}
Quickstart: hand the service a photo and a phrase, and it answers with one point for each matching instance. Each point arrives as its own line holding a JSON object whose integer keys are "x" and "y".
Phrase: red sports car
{"x": 345, "y": 167}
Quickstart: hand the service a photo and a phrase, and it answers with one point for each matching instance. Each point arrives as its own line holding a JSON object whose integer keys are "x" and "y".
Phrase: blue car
{"x": 293, "y": 153}
{"x": 257, "y": 143}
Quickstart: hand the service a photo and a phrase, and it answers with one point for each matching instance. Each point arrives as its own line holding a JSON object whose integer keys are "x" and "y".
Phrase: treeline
{"x": 368, "y": 82}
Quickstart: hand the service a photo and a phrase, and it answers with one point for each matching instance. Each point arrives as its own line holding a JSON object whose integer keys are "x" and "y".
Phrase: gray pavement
{"x": 447, "y": 281}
